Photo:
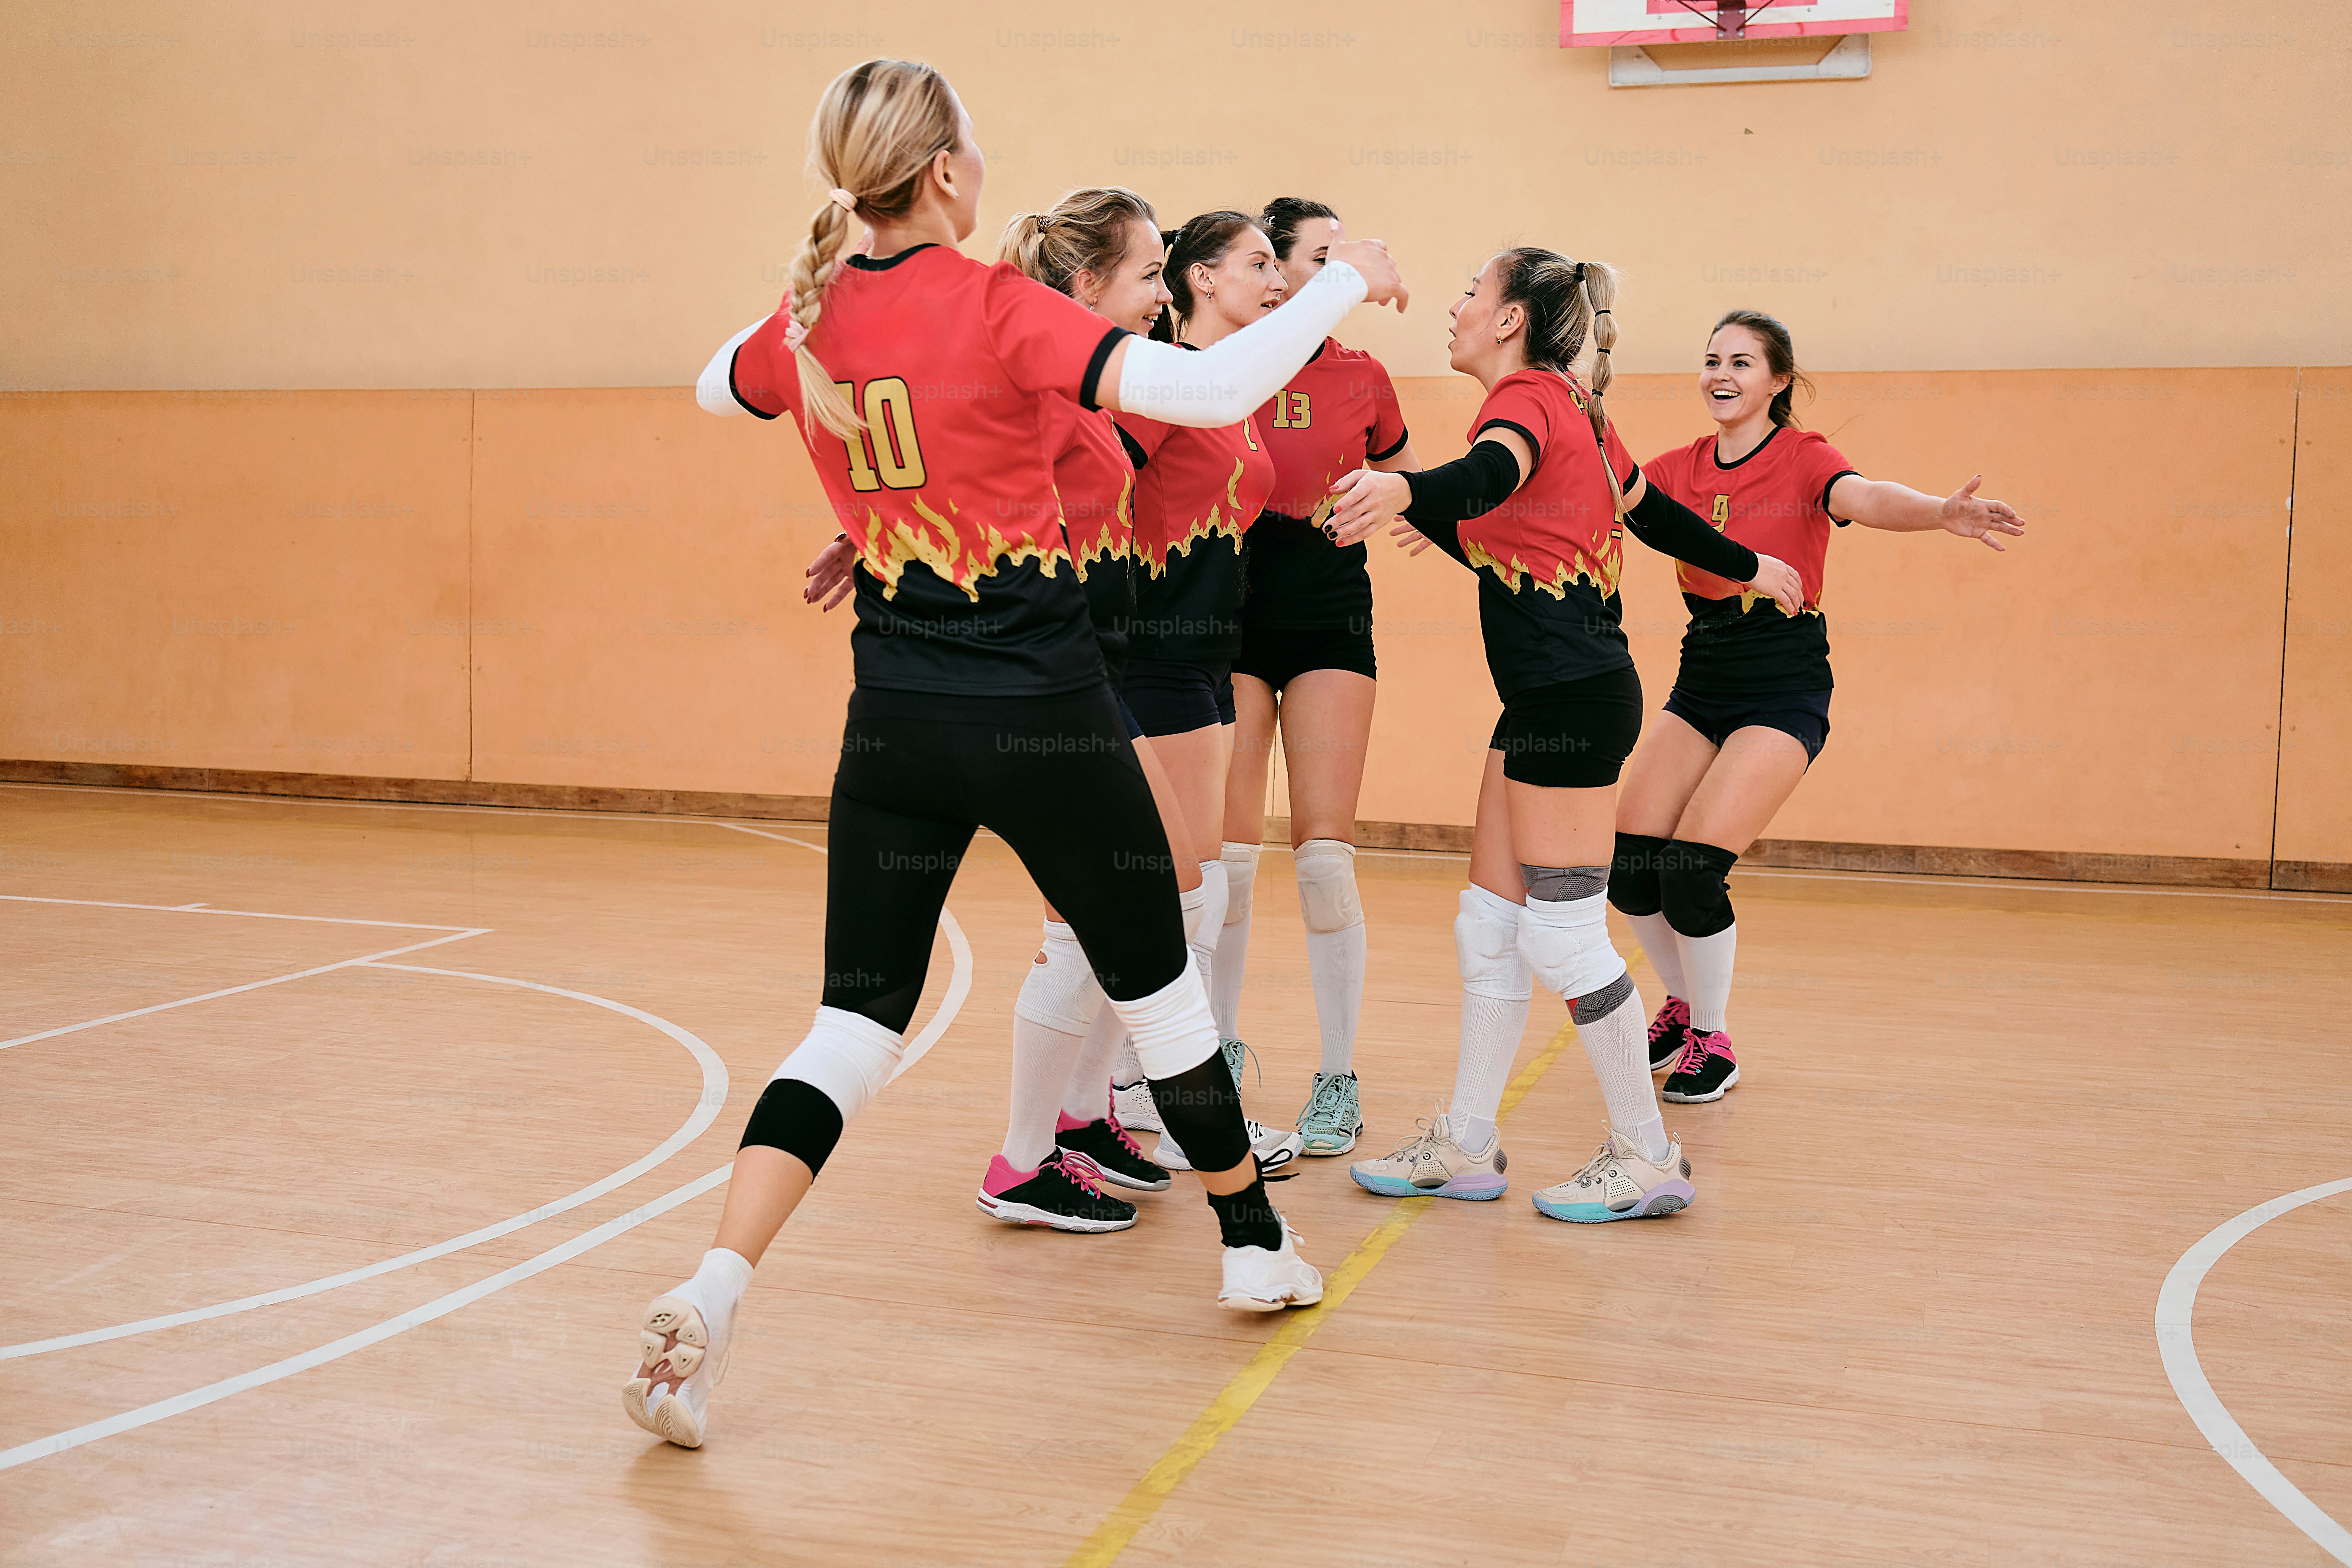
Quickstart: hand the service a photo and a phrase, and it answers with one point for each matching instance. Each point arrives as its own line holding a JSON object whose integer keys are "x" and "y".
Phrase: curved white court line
{"x": 706, "y": 1110}
{"x": 181, "y": 1403}
{"x": 2176, "y": 1304}
{"x": 367, "y": 958}
{"x": 959, "y": 987}
{"x": 242, "y": 914}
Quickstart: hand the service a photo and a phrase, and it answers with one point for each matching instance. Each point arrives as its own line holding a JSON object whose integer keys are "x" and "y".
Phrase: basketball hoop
{"x": 1627, "y": 29}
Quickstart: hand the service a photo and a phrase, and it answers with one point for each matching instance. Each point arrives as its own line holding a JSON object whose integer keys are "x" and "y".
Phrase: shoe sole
{"x": 1670, "y": 1197}
{"x": 1260, "y": 1304}
{"x": 1678, "y": 1097}
{"x": 1045, "y": 1219}
{"x": 1314, "y": 1150}
{"x": 1474, "y": 1189}
{"x": 671, "y": 1419}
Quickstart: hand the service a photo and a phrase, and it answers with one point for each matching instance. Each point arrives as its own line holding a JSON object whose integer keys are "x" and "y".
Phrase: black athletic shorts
{"x": 1575, "y": 735}
{"x": 1176, "y": 697}
{"x": 1803, "y": 714}
{"x": 1278, "y": 654}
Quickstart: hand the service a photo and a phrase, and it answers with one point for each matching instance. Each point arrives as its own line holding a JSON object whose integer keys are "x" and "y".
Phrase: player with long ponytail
{"x": 980, "y": 695}
{"x": 1534, "y": 509}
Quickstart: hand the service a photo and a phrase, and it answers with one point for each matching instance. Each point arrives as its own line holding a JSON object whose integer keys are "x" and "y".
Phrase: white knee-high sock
{"x": 1657, "y": 940}
{"x": 1707, "y": 967}
{"x": 1086, "y": 1096}
{"x": 1205, "y": 920}
{"x": 1058, "y": 1004}
{"x": 1496, "y": 990}
{"x": 1328, "y": 898}
{"x": 1617, "y": 1045}
{"x": 1232, "y": 966}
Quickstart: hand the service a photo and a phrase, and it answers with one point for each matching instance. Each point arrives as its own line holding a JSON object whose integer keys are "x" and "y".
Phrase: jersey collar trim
{"x": 867, "y": 264}
{"x": 1716, "y": 453}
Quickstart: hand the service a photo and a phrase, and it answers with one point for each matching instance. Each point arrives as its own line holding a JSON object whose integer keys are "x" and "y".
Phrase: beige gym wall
{"x": 296, "y": 552}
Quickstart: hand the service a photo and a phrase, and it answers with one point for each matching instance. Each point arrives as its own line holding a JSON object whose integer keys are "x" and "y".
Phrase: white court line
{"x": 247, "y": 914}
{"x": 2176, "y": 1304}
{"x": 713, "y": 1096}
{"x": 180, "y": 1405}
{"x": 958, "y": 977}
{"x": 462, "y": 932}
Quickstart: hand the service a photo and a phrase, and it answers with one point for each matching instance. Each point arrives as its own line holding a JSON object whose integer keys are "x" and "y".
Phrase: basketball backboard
{"x": 1625, "y": 27}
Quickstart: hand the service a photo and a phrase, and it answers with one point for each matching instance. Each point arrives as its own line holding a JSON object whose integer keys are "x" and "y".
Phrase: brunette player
{"x": 1306, "y": 664}
{"x": 925, "y": 384}
{"x": 1534, "y": 509}
{"x": 1751, "y": 705}
{"x": 1198, "y": 492}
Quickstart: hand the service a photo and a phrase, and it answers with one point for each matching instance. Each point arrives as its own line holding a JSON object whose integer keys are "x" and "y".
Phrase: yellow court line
{"x": 1143, "y": 1500}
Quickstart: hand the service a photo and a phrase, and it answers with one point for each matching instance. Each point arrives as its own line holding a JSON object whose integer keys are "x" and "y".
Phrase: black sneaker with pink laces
{"x": 1063, "y": 1192}
{"x": 1118, "y": 1156}
{"x": 1706, "y": 1069}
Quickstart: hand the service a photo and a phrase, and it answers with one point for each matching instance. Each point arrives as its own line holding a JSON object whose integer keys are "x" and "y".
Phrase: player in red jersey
{"x": 1197, "y": 493}
{"x": 1535, "y": 510}
{"x": 925, "y": 385}
{"x": 1750, "y": 706}
{"x": 1306, "y": 665}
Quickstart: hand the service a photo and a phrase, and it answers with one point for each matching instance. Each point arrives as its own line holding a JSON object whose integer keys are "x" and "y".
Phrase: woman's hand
{"x": 1779, "y": 582}
{"x": 828, "y": 575}
{"x": 1410, "y": 539}
{"x": 1363, "y": 501}
{"x": 1370, "y": 257}
{"x": 1969, "y": 517}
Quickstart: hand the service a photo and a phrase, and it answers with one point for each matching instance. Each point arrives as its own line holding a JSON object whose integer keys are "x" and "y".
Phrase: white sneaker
{"x": 1274, "y": 1146}
{"x": 1257, "y": 1280}
{"x": 684, "y": 1355}
{"x": 1131, "y": 1103}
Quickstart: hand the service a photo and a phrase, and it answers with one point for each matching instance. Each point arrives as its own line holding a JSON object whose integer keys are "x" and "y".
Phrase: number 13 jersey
{"x": 965, "y": 582}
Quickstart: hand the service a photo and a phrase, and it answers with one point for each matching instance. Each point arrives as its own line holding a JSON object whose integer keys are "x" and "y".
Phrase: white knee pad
{"x": 1486, "y": 947}
{"x": 1326, "y": 884}
{"x": 1567, "y": 944}
{"x": 1060, "y": 991}
{"x": 1173, "y": 1027}
{"x": 848, "y": 1056}
{"x": 1241, "y": 877}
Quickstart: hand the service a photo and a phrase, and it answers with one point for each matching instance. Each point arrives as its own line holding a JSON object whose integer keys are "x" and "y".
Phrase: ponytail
{"x": 1568, "y": 303}
{"x": 878, "y": 127}
{"x": 1086, "y": 231}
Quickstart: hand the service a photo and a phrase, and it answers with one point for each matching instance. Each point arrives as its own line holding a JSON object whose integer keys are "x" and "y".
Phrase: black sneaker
{"x": 1061, "y": 1195}
{"x": 1705, "y": 1070}
{"x": 1669, "y": 1031}
{"x": 1114, "y": 1154}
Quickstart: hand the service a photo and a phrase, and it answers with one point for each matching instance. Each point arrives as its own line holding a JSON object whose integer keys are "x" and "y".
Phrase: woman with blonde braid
{"x": 925, "y": 386}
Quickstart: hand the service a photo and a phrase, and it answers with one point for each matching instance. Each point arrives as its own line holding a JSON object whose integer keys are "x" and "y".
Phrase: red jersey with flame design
{"x": 1338, "y": 412}
{"x": 965, "y": 582}
{"x": 1547, "y": 558}
{"x": 1196, "y": 493}
{"x": 1096, "y": 480}
{"x": 1773, "y": 500}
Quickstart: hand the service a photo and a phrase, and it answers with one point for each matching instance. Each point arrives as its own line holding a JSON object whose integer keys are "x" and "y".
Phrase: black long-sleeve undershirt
{"x": 1446, "y": 496}
{"x": 1667, "y": 526}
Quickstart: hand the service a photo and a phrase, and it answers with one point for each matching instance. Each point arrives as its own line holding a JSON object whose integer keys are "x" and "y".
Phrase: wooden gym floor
{"x": 1911, "y": 1319}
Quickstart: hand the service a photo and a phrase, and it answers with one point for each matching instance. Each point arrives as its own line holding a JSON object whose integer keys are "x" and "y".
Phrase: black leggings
{"x": 1055, "y": 777}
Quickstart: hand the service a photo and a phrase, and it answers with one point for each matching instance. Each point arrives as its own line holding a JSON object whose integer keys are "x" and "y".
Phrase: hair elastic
{"x": 842, "y": 199}
{"x": 1598, "y": 315}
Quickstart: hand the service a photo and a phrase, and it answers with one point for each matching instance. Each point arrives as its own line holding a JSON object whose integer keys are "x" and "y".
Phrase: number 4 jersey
{"x": 965, "y": 582}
